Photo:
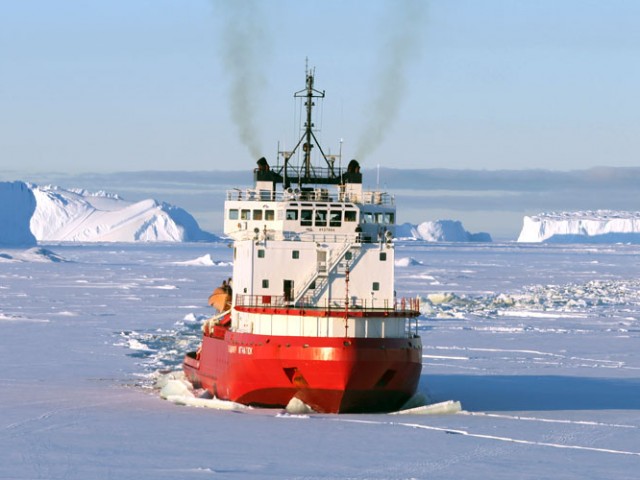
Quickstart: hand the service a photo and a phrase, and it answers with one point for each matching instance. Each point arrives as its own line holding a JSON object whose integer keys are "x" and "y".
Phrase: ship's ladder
{"x": 321, "y": 272}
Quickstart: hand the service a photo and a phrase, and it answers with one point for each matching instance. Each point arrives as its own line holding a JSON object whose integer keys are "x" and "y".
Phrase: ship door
{"x": 322, "y": 261}
{"x": 288, "y": 290}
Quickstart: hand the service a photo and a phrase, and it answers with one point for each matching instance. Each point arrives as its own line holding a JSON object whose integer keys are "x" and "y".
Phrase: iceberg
{"x": 17, "y": 204}
{"x": 599, "y": 226}
{"x": 82, "y": 216}
{"x": 440, "y": 231}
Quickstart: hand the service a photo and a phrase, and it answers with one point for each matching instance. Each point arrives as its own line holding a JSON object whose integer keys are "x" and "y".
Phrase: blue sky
{"x": 126, "y": 85}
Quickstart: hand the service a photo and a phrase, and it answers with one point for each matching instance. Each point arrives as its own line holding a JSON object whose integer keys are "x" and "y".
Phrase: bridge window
{"x": 269, "y": 215}
{"x": 321, "y": 218}
{"x": 350, "y": 216}
{"x": 292, "y": 215}
{"x": 367, "y": 217}
{"x": 233, "y": 214}
{"x": 335, "y": 218}
{"x": 245, "y": 214}
{"x": 257, "y": 214}
{"x": 306, "y": 216}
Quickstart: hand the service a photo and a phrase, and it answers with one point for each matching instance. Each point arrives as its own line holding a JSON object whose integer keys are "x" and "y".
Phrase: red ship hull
{"x": 331, "y": 375}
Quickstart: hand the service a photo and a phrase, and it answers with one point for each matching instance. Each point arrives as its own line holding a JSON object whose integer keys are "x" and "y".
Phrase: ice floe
{"x": 534, "y": 300}
{"x": 204, "y": 261}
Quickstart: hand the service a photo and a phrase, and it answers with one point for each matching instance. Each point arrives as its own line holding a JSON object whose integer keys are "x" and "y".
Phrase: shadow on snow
{"x": 533, "y": 392}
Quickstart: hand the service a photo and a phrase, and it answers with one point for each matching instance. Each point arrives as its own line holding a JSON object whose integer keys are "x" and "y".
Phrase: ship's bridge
{"x": 309, "y": 214}
{"x": 304, "y": 208}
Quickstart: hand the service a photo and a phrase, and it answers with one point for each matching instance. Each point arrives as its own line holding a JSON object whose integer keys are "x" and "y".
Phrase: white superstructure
{"x": 295, "y": 249}
{"x": 313, "y": 252}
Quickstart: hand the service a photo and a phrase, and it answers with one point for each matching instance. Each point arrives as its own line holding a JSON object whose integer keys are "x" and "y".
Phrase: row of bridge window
{"x": 312, "y": 217}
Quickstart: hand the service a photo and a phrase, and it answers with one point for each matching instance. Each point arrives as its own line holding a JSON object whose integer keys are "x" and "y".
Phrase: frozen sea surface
{"x": 540, "y": 344}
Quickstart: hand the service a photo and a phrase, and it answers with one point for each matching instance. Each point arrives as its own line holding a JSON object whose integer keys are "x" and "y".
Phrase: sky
{"x": 197, "y": 85}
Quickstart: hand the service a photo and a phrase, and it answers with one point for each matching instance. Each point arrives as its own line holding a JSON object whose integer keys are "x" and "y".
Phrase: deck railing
{"x": 321, "y": 237}
{"x": 408, "y": 306}
{"x": 368, "y": 197}
{"x": 403, "y": 307}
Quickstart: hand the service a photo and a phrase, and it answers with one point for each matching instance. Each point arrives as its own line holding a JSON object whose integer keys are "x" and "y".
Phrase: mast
{"x": 309, "y": 93}
{"x": 307, "y": 173}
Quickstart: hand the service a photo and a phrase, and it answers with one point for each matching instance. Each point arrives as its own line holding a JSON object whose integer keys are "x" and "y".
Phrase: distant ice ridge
{"x": 440, "y": 231}
{"x": 599, "y": 226}
{"x": 32, "y": 255}
{"x": 81, "y": 216}
{"x": 17, "y": 204}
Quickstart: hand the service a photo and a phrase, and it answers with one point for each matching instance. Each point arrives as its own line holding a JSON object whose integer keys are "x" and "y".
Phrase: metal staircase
{"x": 320, "y": 274}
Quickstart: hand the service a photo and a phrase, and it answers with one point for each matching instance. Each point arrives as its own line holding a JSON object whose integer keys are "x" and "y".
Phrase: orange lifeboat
{"x": 220, "y": 299}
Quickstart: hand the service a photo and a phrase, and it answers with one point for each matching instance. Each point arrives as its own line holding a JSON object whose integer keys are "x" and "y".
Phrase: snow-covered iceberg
{"x": 78, "y": 215}
{"x": 440, "y": 231}
{"x": 600, "y": 226}
{"x": 17, "y": 204}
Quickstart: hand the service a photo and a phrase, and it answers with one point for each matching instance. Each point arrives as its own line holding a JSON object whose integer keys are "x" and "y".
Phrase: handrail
{"x": 211, "y": 321}
{"x": 332, "y": 264}
{"x": 372, "y": 197}
{"x": 288, "y": 235}
{"x": 409, "y": 306}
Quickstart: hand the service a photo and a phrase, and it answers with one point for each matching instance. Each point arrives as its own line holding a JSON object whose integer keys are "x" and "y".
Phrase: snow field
{"x": 539, "y": 344}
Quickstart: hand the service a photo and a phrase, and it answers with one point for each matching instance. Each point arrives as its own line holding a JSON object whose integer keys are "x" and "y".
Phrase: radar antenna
{"x": 306, "y": 173}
